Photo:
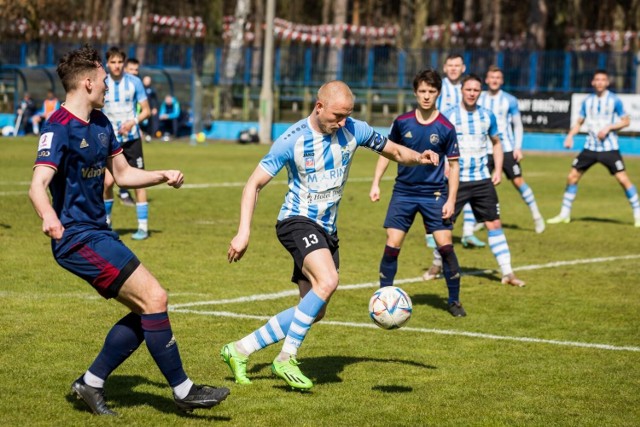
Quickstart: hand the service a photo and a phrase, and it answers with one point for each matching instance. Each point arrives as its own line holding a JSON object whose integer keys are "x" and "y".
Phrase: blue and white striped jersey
{"x": 450, "y": 95}
{"x": 505, "y": 107}
{"x": 598, "y": 112}
{"x": 473, "y": 129}
{"x": 317, "y": 167}
{"x": 120, "y": 103}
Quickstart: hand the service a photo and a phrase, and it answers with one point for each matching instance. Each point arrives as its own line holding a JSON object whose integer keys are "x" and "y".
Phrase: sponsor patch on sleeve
{"x": 45, "y": 141}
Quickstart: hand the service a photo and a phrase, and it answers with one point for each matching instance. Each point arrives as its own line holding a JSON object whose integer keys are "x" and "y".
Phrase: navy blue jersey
{"x": 78, "y": 151}
{"x": 438, "y": 136}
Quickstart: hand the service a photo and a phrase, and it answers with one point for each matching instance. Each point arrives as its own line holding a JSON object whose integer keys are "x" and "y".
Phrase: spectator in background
{"x": 49, "y": 105}
{"x": 169, "y": 115}
{"x": 25, "y": 112}
{"x": 152, "y": 124}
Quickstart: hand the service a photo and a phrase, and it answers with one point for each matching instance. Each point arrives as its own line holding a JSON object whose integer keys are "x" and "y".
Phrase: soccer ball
{"x": 390, "y": 307}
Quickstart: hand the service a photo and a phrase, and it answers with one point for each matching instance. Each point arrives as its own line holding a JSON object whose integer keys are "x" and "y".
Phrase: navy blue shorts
{"x": 403, "y": 209}
{"x": 102, "y": 260}
{"x": 301, "y": 236}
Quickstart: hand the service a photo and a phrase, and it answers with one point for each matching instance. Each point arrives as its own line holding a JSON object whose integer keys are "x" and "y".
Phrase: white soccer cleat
{"x": 511, "y": 279}
{"x": 539, "y": 224}
{"x": 432, "y": 273}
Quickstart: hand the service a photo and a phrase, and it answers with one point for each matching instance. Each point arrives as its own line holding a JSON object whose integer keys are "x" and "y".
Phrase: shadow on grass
{"x": 125, "y": 233}
{"x": 120, "y": 393}
{"x": 601, "y": 220}
{"x": 392, "y": 388}
{"x": 326, "y": 369}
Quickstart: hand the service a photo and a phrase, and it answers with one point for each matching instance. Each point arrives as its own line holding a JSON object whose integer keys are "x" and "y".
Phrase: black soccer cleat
{"x": 202, "y": 397}
{"x": 93, "y": 397}
{"x": 456, "y": 310}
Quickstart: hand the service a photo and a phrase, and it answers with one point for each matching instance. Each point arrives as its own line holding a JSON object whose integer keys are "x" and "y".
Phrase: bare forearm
{"x": 381, "y": 168}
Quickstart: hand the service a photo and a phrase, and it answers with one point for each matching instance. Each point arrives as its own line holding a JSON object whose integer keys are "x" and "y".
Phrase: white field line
{"x": 427, "y": 331}
{"x": 185, "y": 186}
{"x": 181, "y": 308}
{"x": 293, "y": 292}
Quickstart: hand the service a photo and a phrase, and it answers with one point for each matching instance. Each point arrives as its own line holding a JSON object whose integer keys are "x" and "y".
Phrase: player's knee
{"x": 156, "y": 300}
{"x": 326, "y": 285}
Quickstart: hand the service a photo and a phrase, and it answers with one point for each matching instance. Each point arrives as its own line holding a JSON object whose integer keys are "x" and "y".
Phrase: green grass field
{"x": 565, "y": 350}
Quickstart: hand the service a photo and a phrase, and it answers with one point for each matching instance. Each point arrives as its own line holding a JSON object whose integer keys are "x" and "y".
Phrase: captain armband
{"x": 376, "y": 143}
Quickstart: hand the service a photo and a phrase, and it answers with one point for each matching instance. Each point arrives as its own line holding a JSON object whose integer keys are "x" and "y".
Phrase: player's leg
{"x": 236, "y": 354}
{"x": 613, "y": 161}
{"x": 142, "y": 293}
{"x": 113, "y": 270}
{"x": 108, "y": 194}
{"x": 319, "y": 267}
{"x": 451, "y": 270}
{"x": 631, "y": 192}
{"x": 513, "y": 172}
{"x": 487, "y": 209}
{"x": 142, "y": 212}
{"x": 135, "y": 158}
{"x": 389, "y": 261}
{"x": 469, "y": 240}
{"x": 580, "y": 165}
{"x": 400, "y": 216}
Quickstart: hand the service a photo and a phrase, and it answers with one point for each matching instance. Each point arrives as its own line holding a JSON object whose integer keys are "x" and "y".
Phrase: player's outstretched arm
{"x": 51, "y": 225}
{"x": 239, "y": 244}
{"x": 407, "y": 156}
{"x": 130, "y": 177}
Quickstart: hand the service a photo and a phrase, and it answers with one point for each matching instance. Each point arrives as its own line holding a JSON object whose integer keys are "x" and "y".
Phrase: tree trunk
{"x": 538, "y": 17}
{"x": 339, "y": 18}
{"x": 236, "y": 44}
{"x": 497, "y": 25}
{"x": 258, "y": 21}
{"x": 420, "y": 19}
{"x": 446, "y": 20}
{"x": 114, "y": 37}
{"x": 469, "y": 13}
{"x": 140, "y": 33}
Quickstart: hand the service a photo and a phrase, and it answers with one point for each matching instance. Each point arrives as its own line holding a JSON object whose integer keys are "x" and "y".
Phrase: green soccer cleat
{"x": 236, "y": 362}
{"x": 289, "y": 371}
{"x": 559, "y": 220}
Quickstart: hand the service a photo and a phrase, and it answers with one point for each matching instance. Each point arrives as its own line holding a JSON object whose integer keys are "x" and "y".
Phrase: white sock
{"x": 180, "y": 391}
{"x": 93, "y": 381}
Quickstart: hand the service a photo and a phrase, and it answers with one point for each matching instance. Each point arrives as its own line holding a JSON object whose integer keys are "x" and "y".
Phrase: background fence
{"x": 381, "y": 76}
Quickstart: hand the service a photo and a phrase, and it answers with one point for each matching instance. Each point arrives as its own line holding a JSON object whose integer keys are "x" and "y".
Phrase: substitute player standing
{"x": 77, "y": 145}
{"x": 604, "y": 116}
{"x": 423, "y": 189}
{"x": 317, "y": 153}
{"x": 126, "y": 91}
{"x": 505, "y": 107}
